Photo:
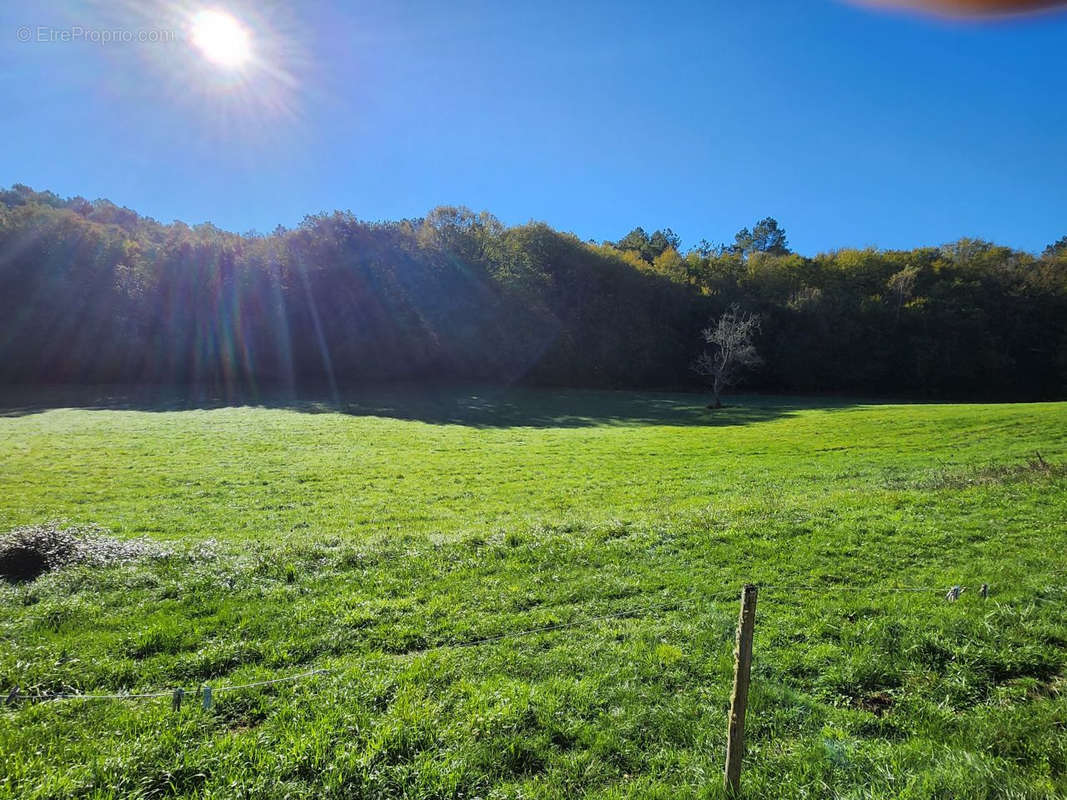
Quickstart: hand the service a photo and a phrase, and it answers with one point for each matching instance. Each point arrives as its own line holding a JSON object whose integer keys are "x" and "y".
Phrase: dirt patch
{"x": 21, "y": 564}
{"x": 877, "y": 703}
{"x": 29, "y": 552}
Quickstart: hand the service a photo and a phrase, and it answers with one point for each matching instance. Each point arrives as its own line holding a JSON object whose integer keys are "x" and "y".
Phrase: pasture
{"x": 379, "y": 534}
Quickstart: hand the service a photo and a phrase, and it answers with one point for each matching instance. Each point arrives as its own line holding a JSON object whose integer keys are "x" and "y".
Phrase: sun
{"x": 221, "y": 38}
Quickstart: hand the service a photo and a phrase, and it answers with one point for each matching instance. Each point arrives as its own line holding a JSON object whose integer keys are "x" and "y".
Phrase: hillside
{"x": 94, "y": 293}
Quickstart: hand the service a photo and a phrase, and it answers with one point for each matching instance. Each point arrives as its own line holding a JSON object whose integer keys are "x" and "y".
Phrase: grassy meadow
{"x": 376, "y": 534}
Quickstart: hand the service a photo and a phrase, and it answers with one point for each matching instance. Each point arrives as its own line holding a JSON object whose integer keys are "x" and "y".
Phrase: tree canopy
{"x": 91, "y": 292}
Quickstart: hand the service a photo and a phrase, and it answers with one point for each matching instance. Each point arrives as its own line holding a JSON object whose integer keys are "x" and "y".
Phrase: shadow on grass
{"x": 481, "y": 407}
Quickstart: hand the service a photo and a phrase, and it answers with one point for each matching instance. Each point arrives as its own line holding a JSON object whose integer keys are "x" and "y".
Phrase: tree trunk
{"x": 716, "y": 391}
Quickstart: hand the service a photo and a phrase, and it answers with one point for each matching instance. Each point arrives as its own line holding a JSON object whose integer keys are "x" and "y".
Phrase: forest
{"x": 91, "y": 292}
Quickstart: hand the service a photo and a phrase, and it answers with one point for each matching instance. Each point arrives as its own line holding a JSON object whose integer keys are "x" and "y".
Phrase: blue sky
{"x": 852, "y": 127}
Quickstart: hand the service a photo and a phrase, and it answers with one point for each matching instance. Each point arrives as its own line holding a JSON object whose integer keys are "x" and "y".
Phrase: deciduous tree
{"x": 732, "y": 350}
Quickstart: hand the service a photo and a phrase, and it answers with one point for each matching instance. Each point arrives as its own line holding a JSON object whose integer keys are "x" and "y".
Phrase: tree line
{"x": 93, "y": 293}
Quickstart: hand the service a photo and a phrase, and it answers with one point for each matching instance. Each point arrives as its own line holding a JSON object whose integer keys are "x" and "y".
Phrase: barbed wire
{"x": 952, "y": 594}
{"x": 15, "y": 695}
{"x": 633, "y": 612}
{"x": 833, "y": 587}
{"x": 54, "y": 696}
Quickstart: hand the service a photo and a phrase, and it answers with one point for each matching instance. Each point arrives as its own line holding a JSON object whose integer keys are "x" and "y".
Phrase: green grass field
{"x": 372, "y": 536}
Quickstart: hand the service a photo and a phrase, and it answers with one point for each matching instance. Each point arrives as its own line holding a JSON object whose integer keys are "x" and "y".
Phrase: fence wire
{"x": 951, "y": 593}
{"x": 53, "y": 696}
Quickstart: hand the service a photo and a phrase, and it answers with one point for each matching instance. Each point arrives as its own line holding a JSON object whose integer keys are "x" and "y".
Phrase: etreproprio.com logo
{"x": 46, "y": 34}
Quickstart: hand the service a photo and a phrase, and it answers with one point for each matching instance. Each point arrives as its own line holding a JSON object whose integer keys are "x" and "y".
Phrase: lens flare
{"x": 221, "y": 38}
{"x": 969, "y": 8}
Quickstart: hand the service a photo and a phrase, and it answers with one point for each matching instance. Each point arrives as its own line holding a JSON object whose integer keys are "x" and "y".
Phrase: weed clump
{"x": 1035, "y": 468}
{"x": 28, "y": 552}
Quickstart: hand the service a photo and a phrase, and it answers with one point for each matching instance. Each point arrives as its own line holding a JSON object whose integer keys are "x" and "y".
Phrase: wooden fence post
{"x": 735, "y": 738}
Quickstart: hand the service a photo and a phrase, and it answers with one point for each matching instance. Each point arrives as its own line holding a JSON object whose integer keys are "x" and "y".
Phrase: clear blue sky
{"x": 853, "y": 127}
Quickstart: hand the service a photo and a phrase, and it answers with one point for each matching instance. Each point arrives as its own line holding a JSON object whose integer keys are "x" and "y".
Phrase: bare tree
{"x": 732, "y": 350}
{"x": 901, "y": 285}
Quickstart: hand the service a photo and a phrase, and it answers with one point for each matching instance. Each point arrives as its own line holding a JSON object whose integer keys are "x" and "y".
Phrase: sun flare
{"x": 221, "y": 38}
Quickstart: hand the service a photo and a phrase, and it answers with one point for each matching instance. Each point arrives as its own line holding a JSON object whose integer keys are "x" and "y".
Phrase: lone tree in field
{"x": 732, "y": 350}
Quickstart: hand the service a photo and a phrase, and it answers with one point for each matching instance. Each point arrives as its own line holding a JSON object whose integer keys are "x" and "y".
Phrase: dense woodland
{"x": 94, "y": 293}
